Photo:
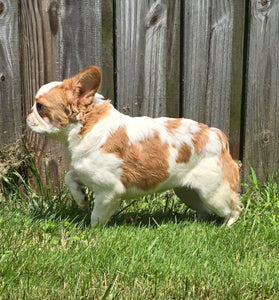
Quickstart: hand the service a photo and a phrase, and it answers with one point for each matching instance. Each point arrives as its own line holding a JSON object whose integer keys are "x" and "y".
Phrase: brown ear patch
{"x": 86, "y": 84}
{"x": 62, "y": 103}
{"x": 145, "y": 163}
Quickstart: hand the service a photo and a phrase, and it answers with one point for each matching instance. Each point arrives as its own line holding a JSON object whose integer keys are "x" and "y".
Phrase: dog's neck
{"x": 90, "y": 131}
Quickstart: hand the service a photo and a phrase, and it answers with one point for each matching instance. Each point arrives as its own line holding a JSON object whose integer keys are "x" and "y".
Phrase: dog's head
{"x": 59, "y": 104}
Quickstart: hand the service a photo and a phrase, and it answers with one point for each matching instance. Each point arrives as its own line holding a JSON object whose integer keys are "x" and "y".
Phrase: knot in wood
{"x": 153, "y": 20}
{"x": 2, "y": 77}
{"x": 265, "y": 137}
{"x": 263, "y": 5}
{"x": 1, "y": 8}
{"x": 154, "y": 15}
{"x": 265, "y": 2}
{"x": 53, "y": 17}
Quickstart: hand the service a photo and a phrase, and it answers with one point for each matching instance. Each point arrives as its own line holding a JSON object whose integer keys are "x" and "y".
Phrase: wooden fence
{"x": 216, "y": 61}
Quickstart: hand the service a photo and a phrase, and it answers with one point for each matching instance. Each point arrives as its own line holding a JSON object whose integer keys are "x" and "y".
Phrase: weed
{"x": 261, "y": 202}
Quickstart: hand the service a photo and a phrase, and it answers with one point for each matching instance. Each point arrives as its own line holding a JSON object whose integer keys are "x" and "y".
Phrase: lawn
{"x": 153, "y": 248}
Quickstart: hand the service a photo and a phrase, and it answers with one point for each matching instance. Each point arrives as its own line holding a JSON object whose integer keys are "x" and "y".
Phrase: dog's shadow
{"x": 159, "y": 217}
{"x": 132, "y": 217}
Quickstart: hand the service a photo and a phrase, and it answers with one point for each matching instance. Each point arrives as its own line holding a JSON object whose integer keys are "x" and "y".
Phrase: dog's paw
{"x": 84, "y": 204}
{"x": 80, "y": 198}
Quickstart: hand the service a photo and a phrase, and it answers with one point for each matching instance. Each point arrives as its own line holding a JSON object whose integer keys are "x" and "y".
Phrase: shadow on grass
{"x": 158, "y": 218}
{"x": 71, "y": 213}
{"x": 143, "y": 218}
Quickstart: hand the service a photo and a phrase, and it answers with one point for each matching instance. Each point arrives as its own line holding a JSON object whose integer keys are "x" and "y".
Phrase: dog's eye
{"x": 40, "y": 106}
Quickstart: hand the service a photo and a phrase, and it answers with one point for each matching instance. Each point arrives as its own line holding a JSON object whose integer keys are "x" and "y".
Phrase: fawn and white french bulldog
{"x": 123, "y": 157}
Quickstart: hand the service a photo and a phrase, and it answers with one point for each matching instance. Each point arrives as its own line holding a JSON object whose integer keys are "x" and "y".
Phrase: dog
{"x": 123, "y": 157}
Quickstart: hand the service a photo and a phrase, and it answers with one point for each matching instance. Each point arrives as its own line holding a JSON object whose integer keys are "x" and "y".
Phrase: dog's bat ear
{"x": 86, "y": 84}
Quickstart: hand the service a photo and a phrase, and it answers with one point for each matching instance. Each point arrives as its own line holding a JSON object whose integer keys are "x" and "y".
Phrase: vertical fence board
{"x": 38, "y": 45}
{"x": 208, "y": 30}
{"x": 173, "y": 59}
{"x": 86, "y": 38}
{"x": 107, "y": 88}
{"x": 80, "y": 36}
{"x": 142, "y": 56}
{"x": 262, "y": 108}
{"x": 10, "y": 100}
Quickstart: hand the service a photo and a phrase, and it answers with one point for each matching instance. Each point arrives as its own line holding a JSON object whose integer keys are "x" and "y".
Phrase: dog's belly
{"x": 103, "y": 178}
{"x": 103, "y": 172}
{"x": 134, "y": 191}
{"x": 107, "y": 181}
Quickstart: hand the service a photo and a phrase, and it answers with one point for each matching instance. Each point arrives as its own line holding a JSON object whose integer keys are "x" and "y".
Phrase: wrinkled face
{"x": 57, "y": 104}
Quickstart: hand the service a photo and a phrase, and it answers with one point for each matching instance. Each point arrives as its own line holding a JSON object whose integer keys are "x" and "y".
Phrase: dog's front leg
{"x": 75, "y": 187}
{"x": 104, "y": 207}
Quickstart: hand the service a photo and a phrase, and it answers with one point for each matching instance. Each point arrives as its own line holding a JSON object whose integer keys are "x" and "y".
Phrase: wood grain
{"x": 108, "y": 88}
{"x": 86, "y": 38}
{"x": 143, "y": 48}
{"x": 10, "y": 98}
{"x": 39, "y": 56}
{"x": 80, "y": 36}
{"x": 262, "y": 102}
{"x": 208, "y": 32}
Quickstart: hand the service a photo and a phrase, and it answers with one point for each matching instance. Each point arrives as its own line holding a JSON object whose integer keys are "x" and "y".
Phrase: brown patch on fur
{"x": 230, "y": 170}
{"x": 86, "y": 84}
{"x": 117, "y": 143}
{"x": 173, "y": 124}
{"x": 145, "y": 163}
{"x": 60, "y": 104}
{"x": 223, "y": 139}
{"x": 95, "y": 114}
{"x": 185, "y": 151}
{"x": 201, "y": 138}
{"x": 184, "y": 154}
{"x": 54, "y": 108}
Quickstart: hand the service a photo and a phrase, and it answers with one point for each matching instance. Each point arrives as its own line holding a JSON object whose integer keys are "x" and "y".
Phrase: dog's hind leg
{"x": 192, "y": 199}
{"x": 236, "y": 209}
{"x": 224, "y": 202}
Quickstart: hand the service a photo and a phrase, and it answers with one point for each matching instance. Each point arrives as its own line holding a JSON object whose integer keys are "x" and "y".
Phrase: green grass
{"x": 154, "y": 248}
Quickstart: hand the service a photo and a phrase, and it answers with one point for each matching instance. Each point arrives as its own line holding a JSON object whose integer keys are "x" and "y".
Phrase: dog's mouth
{"x": 36, "y": 122}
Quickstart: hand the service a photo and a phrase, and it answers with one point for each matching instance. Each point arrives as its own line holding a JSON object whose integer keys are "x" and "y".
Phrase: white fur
{"x": 34, "y": 121}
{"x": 199, "y": 183}
{"x": 39, "y": 124}
{"x": 45, "y": 88}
